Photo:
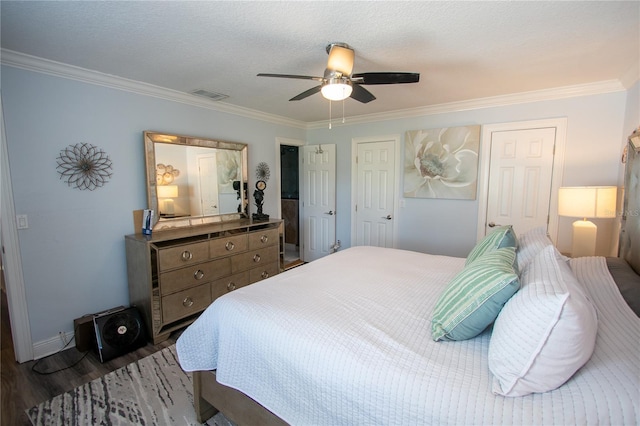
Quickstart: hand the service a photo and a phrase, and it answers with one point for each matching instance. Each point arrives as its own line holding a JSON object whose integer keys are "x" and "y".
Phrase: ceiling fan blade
{"x": 361, "y": 94}
{"x": 386, "y": 77}
{"x": 300, "y": 77}
{"x": 307, "y": 93}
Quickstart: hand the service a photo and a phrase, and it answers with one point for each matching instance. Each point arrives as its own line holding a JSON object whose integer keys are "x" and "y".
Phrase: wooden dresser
{"x": 175, "y": 274}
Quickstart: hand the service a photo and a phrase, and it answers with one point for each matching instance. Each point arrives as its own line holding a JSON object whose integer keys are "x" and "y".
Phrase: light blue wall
{"x": 73, "y": 251}
{"x": 448, "y": 227}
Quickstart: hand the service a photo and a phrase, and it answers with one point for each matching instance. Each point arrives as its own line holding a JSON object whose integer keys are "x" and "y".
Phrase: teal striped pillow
{"x": 502, "y": 236}
{"x": 474, "y": 297}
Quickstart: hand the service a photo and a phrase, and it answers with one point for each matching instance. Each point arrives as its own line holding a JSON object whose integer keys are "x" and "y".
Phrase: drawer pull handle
{"x": 229, "y": 246}
{"x": 186, "y": 255}
{"x": 256, "y": 258}
{"x": 265, "y": 274}
{"x": 187, "y": 302}
{"x": 198, "y": 275}
{"x": 231, "y": 286}
{"x": 264, "y": 239}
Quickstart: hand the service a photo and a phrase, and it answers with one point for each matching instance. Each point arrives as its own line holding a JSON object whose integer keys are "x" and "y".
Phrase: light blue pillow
{"x": 502, "y": 236}
{"x": 474, "y": 297}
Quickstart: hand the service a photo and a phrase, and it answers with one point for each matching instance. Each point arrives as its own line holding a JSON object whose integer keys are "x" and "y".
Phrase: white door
{"x": 375, "y": 193}
{"x": 319, "y": 201}
{"x": 520, "y": 176}
{"x": 208, "y": 182}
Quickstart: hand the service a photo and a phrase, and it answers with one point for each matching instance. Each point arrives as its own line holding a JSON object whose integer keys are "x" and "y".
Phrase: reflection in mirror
{"x": 193, "y": 181}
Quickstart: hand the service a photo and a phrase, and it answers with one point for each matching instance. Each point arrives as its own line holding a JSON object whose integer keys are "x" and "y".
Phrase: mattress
{"x": 327, "y": 343}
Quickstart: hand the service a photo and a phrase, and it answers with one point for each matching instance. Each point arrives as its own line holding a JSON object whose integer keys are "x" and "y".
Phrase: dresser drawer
{"x": 224, "y": 285}
{"x": 185, "y": 303}
{"x": 253, "y": 259}
{"x": 228, "y": 245}
{"x": 175, "y": 257}
{"x": 263, "y": 272}
{"x": 267, "y": 237}
{"x": 182, "y": 278}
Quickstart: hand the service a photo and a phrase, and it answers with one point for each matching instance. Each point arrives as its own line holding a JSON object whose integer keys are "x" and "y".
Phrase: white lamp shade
{"x": 341, "y": 60}
{"x": 167, "y": 191}
{"x": 587, "y": 201}
{"x": 336, "y": 91}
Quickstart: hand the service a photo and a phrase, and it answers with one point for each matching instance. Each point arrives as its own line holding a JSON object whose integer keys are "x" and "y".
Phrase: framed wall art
{"x": 442, "y": 163}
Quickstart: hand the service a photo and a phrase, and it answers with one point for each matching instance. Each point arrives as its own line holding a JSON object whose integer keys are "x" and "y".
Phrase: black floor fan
{"x": 118, "y": 333}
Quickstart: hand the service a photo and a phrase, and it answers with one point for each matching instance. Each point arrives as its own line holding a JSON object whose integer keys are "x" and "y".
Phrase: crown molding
{"x": 596, "y": 88}
{"x": 631, "y": 77}
{"x": 59, "y": 69}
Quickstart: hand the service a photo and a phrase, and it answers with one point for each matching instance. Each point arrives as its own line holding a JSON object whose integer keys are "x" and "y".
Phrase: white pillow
{"x": 545, "y": 332}
{"x": 530, "y": 244}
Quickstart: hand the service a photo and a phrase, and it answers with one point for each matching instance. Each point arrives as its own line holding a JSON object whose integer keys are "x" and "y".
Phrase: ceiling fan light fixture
{"x": 337, "y": 89}
{"x": 340, "y": 58}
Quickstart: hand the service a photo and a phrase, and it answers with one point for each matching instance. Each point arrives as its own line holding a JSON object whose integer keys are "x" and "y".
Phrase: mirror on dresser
{"x": 193, "y": 180}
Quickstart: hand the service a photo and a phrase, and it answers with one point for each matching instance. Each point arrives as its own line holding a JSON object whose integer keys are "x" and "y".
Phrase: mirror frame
{"x": 150, "y": 139}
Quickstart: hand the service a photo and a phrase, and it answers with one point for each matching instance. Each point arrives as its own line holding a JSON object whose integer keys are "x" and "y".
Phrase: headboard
{"x": 630, "y": 227}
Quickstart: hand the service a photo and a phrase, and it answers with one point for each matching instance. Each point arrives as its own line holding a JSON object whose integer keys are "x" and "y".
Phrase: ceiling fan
{"x": 339, "y": 83}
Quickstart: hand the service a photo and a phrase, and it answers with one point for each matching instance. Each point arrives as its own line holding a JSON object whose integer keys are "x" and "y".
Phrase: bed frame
{"x": 211, "y": 397}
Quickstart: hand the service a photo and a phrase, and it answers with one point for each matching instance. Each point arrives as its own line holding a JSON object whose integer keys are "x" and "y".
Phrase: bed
{"x": 330, "y": 343}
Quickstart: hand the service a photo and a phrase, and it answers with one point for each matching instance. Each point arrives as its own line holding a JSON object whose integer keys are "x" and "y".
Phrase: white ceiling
{"x": 462, "y": 50}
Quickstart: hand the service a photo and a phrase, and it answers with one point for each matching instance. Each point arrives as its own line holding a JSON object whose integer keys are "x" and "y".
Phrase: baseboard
{"x": 52, "y": 345}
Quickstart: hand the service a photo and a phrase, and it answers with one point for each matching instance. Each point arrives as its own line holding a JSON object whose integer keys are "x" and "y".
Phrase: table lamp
{"x": 167, "y": 193}
{"x": 586, "y": 202}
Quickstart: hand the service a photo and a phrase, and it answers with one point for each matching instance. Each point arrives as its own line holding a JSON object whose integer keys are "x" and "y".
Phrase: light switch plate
{"x": 22, "y": 221}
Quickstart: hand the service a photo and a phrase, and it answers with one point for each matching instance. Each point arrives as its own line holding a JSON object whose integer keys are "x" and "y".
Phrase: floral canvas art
{"x": 442, "y": 163}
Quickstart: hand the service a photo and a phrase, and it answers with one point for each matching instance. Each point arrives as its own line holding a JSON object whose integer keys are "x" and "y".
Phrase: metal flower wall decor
{"x": 84, "y": 166}
{"x": 442, "y": 163}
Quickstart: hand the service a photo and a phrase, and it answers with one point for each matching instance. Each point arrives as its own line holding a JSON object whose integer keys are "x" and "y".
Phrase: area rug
{"x": 150, "y": 391}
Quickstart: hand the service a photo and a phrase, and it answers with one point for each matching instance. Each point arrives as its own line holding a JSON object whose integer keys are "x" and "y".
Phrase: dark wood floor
{"x": 22, "y": 388}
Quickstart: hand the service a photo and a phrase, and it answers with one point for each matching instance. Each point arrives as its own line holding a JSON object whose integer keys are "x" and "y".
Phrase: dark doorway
{"x": 289, "y": 196}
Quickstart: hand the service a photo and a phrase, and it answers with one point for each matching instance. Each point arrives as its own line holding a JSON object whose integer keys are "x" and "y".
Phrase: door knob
{"x": 492, "y": 224}
{"x": 388, "y": 217}
{"x": 330, "y": 212}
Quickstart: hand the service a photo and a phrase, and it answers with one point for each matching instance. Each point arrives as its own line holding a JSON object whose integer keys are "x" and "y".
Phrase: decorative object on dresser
{"x": 262, "y": 173}
{"x": 175, "y": 274}
{"x": 586, "y": 202}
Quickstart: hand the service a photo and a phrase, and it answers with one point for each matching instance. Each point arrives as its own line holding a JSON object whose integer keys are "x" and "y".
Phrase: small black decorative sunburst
{"x": 263, "y": 172}
{"x": 84, "y": 166}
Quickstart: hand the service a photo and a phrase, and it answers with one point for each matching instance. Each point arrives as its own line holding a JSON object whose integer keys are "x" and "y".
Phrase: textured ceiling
{"x": 463, "y": 50}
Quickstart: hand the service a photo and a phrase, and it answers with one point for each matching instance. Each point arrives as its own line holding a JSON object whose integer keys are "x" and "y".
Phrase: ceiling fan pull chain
{"x": 329, "y": 114}
{"x": 343, "y": 111}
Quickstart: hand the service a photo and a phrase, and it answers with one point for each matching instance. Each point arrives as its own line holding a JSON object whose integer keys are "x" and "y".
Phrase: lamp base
{"x": 169, "y": 208}
{"x": 584, "y": 238}
{"x": 259, "y": 217}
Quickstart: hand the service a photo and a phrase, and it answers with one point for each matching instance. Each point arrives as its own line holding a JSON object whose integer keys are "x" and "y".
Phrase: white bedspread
{"x": 345, "y": 340}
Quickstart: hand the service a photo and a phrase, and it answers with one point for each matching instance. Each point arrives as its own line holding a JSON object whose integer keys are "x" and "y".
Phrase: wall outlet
{"x": 63, "y": 337}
